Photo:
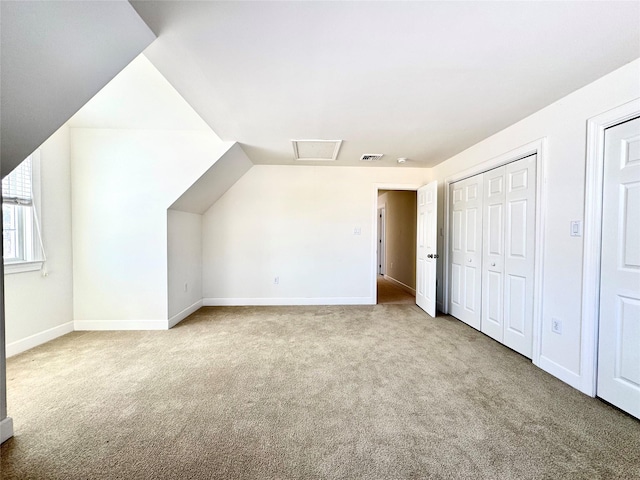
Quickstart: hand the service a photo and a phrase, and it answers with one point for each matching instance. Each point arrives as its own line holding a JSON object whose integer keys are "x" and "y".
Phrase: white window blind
{"x": 16, "y": 187}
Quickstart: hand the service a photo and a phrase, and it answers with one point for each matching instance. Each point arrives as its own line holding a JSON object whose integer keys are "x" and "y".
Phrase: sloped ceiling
{"x": 55, "y": 57}
{"x": 139, "y": 97}
{"x": 219, "y": 178}
{"x": 422, "y": 80}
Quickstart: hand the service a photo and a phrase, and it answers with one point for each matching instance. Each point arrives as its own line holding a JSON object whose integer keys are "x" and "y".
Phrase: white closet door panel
{"x": 517, "y": 228}
{"x": 470, "y": 281}
{"x": 520, "y": 196}
{"x": 456, "y": 286}
{"x": 494, "y": 232}
{"x": 472, "y": 240}
{"x": 457, "y": 244}
{"x": 516, "y": 292}
{"x": 466, "y": 250}
{"x": 492, "y": 304}
{"x": 619, "y": 324}
{"x": 493, "y": 253}
{"x": 456, "y": 240}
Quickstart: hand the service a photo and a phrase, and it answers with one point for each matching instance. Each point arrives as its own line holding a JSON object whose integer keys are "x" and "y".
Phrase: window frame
{"x": 30, "y": 241}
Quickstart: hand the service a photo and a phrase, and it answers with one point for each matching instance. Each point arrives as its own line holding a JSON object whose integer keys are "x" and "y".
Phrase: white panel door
{"x": 493, "y": 238}
{"x": 426, "y": 255}
{"x": 619, "y": 328}
{"x": 519, "y": 245}
{"x": 466, "y": 250}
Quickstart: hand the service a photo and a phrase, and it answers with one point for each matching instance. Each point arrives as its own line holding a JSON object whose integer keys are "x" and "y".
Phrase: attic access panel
{"x": 316, "y": 150}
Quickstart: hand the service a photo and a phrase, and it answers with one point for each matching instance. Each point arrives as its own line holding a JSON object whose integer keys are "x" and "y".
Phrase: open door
{"x": 426, "y": 255}
{"x": 619, "y": 333}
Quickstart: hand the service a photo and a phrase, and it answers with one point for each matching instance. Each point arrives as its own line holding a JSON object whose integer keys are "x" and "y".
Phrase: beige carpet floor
{"x": 363, "y": 392}
{"x": 389, "y": 293}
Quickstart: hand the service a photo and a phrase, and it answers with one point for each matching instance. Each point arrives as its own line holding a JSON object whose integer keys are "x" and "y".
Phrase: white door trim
{"x": 539, "y": 148}
{"x": 374, "y": 227}
{"x": 593, "y": 238}
{"x": 382, "y": 241}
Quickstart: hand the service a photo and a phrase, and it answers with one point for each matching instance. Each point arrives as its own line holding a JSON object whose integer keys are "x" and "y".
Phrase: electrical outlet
{"x": 556, "y": 326}
{"x": 276, "y": 281}
{"x": 357, "y": 231}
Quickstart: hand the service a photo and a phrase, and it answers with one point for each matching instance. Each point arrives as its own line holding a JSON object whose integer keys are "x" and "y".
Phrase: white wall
{"x": 296, "y": 223}
{"x": 40, "y": 308}
{"x": 184, "y": 262}
{"x": 563, "y": 124}
{"x": 123, "y": 181}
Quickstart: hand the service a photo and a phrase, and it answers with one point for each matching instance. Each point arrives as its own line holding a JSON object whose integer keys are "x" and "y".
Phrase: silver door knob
{"x": 493, "y": 264}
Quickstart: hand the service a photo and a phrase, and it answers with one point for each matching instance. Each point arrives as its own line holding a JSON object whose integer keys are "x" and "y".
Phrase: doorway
{"x": 397, "y": 227}
{"x": 609, "y": 358}
{"x": 595, "y": 264}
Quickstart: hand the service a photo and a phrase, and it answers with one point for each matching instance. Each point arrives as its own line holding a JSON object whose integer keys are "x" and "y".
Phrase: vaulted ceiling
{"x": 422, "y": 80}
{"x": 55, "y": 56}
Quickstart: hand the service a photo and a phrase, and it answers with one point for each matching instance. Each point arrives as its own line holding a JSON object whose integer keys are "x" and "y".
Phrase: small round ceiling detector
{"x": 402, "y": 160}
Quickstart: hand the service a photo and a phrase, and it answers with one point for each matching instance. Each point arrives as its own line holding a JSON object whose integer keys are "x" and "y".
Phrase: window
{"x": 20, "y": 228}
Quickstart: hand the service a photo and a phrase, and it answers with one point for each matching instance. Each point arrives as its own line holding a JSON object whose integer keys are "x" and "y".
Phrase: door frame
{"x": 594, "y": 187}
{"x": 374, "y": 226}
{"x": 539, "y": 148}
{"x": 382, "y": 241}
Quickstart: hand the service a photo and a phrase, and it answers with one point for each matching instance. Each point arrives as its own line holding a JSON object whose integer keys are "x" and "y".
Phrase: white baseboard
{"x": 173, "y": 321}
{"x": 20, "y": 346}
{"x": 398, "y": 283}
{"x": 6, "y": 429}
{"x": 237, "y": 302}
{"x": 560, "y": 372}
{"x": 88, "y": 325}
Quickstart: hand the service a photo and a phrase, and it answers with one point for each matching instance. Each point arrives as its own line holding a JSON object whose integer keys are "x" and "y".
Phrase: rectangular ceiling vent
{"x": 318, "y": 150}
{"x": 371, "y": 157}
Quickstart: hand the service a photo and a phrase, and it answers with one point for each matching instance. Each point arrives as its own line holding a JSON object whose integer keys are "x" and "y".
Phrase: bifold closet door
{"x": 493, "y": 238}
{"x": 508, "y": 254}
{"x": 466, "y": 250}
{"x": 519, "y": 262}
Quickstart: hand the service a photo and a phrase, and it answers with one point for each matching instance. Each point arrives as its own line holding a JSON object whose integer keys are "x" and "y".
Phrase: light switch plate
{"x": 576, "y": 228}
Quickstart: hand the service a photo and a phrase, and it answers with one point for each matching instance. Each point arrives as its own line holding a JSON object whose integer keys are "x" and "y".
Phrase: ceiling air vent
{"x": 318, "y": 150}
{"x": 371, "y": 157}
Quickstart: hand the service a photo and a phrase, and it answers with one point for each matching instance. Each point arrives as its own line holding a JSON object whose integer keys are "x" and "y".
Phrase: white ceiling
{"x": 422, "y": 80}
